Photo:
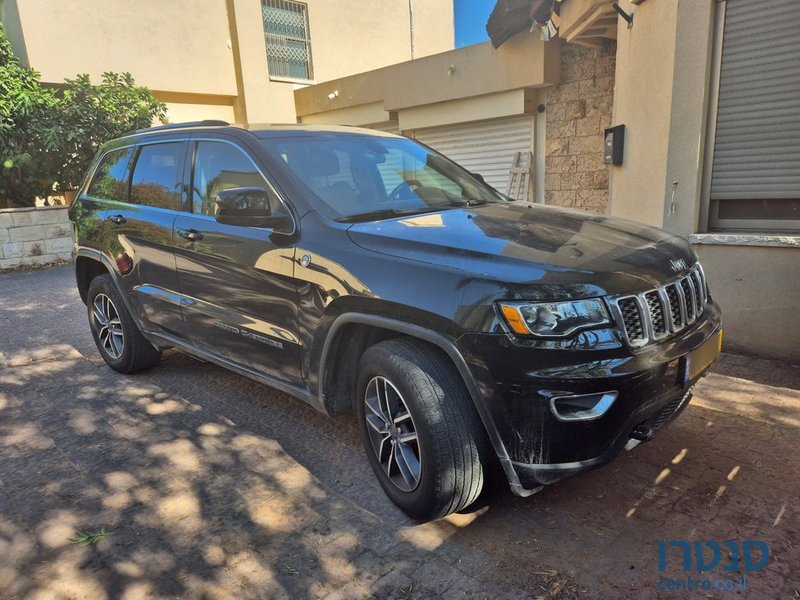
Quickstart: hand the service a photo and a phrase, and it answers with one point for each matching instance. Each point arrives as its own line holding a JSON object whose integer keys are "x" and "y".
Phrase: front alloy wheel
{"x": 392, "y": 433}
{"x": 422, "y": 435}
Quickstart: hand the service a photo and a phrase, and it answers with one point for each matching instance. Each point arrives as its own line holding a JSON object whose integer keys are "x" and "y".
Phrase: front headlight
{"x": 554, "y": 319}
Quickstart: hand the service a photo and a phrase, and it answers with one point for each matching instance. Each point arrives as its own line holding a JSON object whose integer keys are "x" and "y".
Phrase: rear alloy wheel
{"x": 422, "y": 435}
{"x": 109, "y": 327}
{"x": 115, "y": 333}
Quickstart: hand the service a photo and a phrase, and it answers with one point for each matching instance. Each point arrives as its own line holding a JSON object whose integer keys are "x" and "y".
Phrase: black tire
{"x": 135, "y": 352}
{"x": 495, "y": 486}
{"x": 451, "y": 441}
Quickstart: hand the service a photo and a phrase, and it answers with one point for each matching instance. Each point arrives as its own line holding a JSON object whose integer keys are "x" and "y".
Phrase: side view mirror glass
{"x": 249, "y": 207}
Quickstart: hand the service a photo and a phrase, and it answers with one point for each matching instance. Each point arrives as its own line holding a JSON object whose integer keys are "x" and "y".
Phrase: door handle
{"x": 190, "y": 234}
{"x": 117, "y": 219}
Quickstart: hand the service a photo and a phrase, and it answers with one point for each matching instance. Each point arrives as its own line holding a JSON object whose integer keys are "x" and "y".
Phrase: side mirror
{"x": 478, "y": 176}
{"x": 249, "y": 207}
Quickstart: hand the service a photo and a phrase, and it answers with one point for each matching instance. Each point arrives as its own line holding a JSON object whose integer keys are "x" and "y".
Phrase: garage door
{"x": 485, "y": 147}
{"x": 392, "y": 169}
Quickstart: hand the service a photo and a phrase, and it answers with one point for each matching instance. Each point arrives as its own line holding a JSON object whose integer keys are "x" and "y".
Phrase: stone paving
{"x": 212, "y": 486}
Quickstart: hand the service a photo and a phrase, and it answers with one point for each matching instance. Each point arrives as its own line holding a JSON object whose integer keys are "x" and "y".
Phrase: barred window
{"x": 288, "y": 42}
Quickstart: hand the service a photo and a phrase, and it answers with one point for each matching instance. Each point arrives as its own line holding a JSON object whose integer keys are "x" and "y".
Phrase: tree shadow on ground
{"x": 211, "y": 485}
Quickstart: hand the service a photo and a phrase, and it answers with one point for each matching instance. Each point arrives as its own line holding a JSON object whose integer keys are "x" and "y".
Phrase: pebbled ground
{"x": 213, "y": 486}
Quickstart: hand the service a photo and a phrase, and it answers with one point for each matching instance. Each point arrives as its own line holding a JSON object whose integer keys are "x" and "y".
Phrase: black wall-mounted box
{"x": 613, "y": 144}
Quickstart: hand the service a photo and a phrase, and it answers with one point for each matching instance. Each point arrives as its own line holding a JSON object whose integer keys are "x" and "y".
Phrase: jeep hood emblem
{"x": 678, "y": 265}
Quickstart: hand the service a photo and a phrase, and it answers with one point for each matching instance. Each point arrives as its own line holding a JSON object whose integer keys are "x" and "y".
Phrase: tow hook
{"x": 642, "y": 433}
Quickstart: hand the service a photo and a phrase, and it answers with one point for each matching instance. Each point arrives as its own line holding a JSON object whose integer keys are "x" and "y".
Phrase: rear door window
{"x": 110, "y": 180}
{"x": 156, "y": 179}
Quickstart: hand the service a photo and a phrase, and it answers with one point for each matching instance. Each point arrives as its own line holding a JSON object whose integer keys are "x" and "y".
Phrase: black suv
{"x": 364, "y": 272}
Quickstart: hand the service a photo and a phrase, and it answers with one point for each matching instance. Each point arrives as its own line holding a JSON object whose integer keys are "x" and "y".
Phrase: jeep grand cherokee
{"x": 366, "y": 273}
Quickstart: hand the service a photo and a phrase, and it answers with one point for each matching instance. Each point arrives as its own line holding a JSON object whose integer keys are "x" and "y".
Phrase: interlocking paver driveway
{"x": 214, "y": 486}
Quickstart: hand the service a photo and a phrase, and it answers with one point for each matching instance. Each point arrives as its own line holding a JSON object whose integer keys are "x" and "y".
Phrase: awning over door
{"x": 510, "y": 17}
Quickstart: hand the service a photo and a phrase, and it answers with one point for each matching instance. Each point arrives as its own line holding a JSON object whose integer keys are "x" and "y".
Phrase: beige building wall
{"x": 261, "y": 100}
{"x": 688, "y": 115}
{"x": 643, "y": 100}
{"x": 347, "y": 37}
{"x": 463, "y": 110}
{"x": 352, "y": 36}
{"x": 524, "y": 62}
{"x": 661, "y": 96}
{"x": 212, "y": 53}
{"x": 177, "y": 46}
{"x": 179, "y": 111}
{"x": 434, "y": 27}
{"x": 758, "y": 289}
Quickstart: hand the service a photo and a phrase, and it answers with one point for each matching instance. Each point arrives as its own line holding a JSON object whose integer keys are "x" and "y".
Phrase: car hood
{"x": 559, "y": 252}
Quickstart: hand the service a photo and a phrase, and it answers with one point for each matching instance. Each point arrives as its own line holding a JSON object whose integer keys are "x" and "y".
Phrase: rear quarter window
{"x": 110, "y": 179}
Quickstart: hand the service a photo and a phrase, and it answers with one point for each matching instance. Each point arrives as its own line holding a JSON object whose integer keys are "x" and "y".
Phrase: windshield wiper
{"x": 473, "y": 202}
{"x": 386, "y": 213}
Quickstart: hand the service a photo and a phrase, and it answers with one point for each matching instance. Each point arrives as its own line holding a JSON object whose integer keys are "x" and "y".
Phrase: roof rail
{"x": 205, "y": 123}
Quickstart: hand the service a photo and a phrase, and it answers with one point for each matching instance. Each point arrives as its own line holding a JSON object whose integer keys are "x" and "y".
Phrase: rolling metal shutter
{"x": 756, "y": 170}
{"x": 485, "y": 147}
{"x": 388, "y": 127}
{"x": 392, "y": 170}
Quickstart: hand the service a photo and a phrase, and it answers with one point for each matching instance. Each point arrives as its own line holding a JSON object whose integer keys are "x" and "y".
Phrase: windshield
{"x": 360, "y": 177}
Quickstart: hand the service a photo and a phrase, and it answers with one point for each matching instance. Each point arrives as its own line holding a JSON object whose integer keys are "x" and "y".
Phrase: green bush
{"x": 49, "y": 136}
{"x": 24, "y": 106}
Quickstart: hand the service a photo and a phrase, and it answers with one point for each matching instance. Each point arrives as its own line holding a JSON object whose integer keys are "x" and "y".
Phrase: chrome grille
{"x": 699, "y": 288}
{"x": 688, "y": 294}
{"x": 675, "y": 311}
{"x": 655, "y": 314}
{"x": 632, "y": 318}
{"x": 656, "y": 309}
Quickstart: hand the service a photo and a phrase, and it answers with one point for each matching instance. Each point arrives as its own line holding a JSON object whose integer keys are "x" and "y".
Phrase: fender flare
{"x": 456, "y": 357}
{"x": 87, "y": 252}
{"x": 96, "y": 255}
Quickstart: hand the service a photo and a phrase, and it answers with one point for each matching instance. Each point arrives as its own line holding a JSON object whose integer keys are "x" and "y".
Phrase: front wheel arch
{"x": 337, "y": 400}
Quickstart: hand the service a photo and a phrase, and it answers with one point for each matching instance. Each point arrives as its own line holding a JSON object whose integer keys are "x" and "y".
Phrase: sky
{"x": 471, "y": 17}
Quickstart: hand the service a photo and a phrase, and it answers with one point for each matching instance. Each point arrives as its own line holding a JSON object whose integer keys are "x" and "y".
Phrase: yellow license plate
{"x": 699, "y": 359}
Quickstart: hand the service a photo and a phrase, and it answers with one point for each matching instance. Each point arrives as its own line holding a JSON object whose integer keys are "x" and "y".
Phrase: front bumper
{"x": 517, "y": 381}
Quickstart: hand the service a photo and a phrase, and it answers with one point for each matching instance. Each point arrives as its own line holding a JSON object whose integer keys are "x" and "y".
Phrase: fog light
{"x": 584, "y": 407}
